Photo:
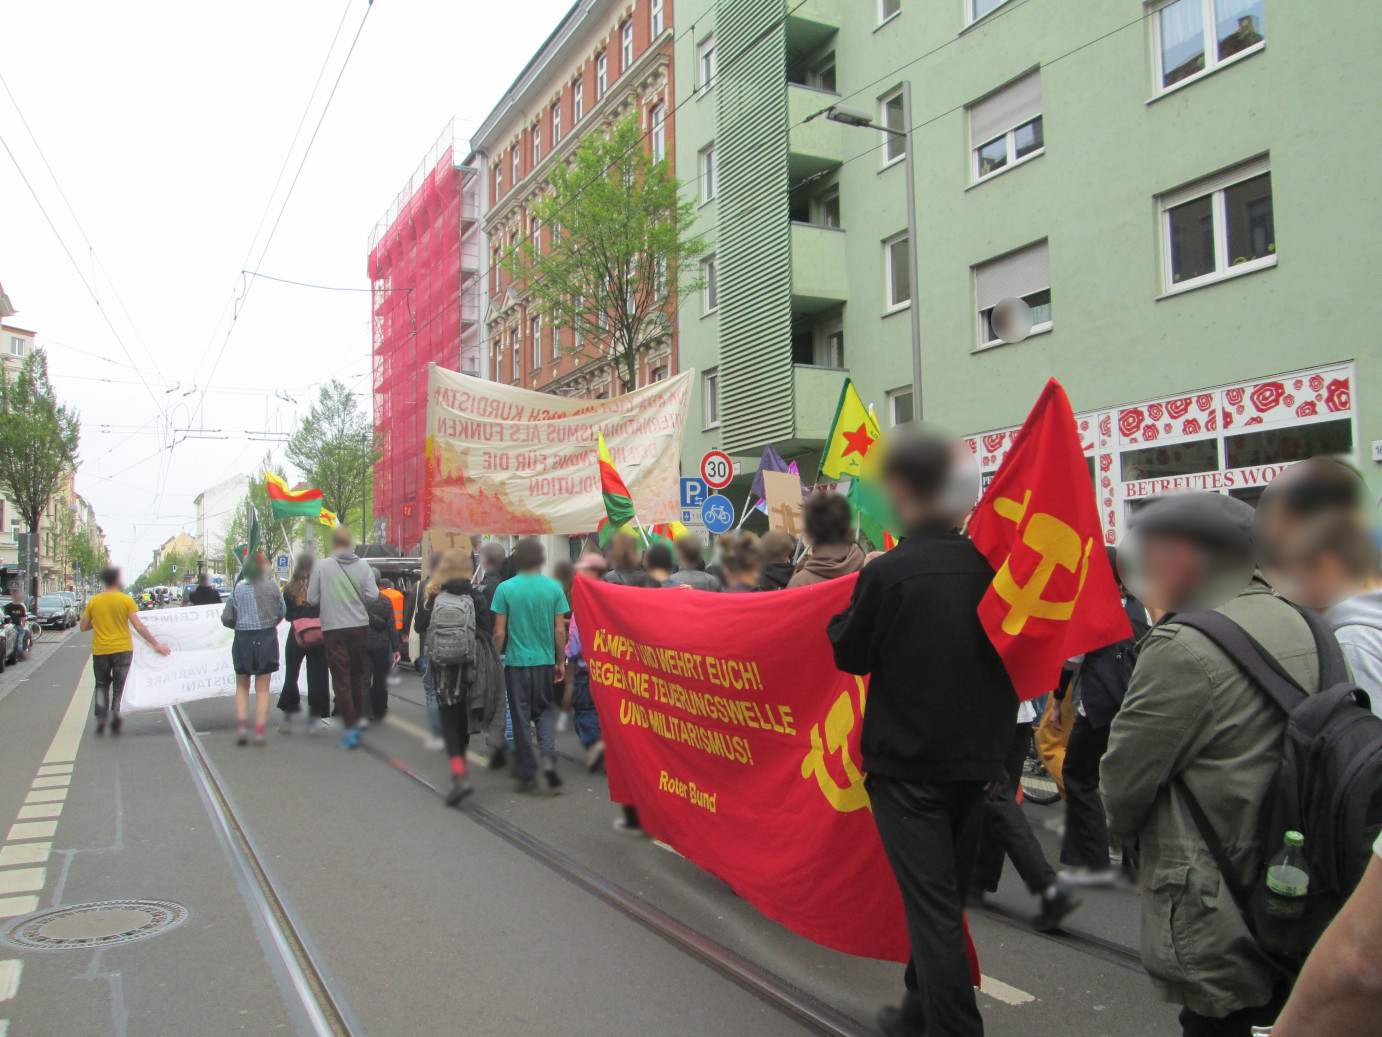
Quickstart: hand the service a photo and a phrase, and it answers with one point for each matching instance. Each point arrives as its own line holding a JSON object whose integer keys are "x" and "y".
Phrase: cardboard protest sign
{"x": 783, "y": 492}
{"x": 200, "y": 666}
{"x": 501, "y": 459}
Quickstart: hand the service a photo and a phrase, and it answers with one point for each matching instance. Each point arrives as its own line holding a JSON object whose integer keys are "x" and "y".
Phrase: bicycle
{"x": 35, "y": 629}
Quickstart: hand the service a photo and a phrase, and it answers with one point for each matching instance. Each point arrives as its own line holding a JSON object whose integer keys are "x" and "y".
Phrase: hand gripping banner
{"x": 728, "y": 726}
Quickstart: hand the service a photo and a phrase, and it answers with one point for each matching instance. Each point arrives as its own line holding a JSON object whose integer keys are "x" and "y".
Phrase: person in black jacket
{"x": 318, "y": 675}
{"x": 940, "y": 720}
{"x": 383, "y": 653}
{"x": 1100, "y": 683}
{"x": 204, "y": 593}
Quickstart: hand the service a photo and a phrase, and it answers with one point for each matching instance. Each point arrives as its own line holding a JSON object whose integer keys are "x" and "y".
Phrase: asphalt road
{"x": 416, "y": 919}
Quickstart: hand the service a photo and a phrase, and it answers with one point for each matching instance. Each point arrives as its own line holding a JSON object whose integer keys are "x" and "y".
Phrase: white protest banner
{"x": 199, "y": 666}
{"x": 501, "y": 459}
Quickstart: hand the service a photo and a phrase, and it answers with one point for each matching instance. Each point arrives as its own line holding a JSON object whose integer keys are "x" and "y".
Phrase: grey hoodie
{"x": 1357, "y": 624}
{"x": 342, "y": 585}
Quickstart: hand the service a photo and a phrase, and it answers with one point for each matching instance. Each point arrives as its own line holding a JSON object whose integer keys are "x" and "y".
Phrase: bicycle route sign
{"x": 717, "y": 469}
{"x": 717, "y": 513}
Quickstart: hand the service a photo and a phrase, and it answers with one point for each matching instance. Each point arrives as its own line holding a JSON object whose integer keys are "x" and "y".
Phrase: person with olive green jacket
{"x": 1191, "y": 713}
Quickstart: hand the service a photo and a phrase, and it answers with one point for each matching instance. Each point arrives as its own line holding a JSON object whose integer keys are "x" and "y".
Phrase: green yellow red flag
{"x": 285, "y": 503}
{"x": 852, "y": 435}
{"x": 618, "y": 500}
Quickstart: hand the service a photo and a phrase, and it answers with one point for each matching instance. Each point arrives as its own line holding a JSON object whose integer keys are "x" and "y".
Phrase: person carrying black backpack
{"x": 1195, "y": 725}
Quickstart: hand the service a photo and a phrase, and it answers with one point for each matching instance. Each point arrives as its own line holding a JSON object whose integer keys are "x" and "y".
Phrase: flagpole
{"x": 744, "y": 511}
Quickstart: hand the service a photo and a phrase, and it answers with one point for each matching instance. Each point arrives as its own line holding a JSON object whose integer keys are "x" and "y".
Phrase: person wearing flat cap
{"x": 1191, "y": 713}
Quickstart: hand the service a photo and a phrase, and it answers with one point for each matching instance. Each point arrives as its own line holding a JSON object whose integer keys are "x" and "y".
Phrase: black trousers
{"x": 1007, "y": 830}
{"x": 1086, "y": 828}
{"x": 318, "y": 679}
{"x": 455, "y": 728}
{"x": 1235, "y": 1024}
{"x": 380, "y": 663}
{"x": 111, "y": 671}
{"x": 930, "y": 833}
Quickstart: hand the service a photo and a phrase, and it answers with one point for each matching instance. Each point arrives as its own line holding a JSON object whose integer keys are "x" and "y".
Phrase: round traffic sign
{"x": 717, "y": 469}
{"x": 717, "y": 513}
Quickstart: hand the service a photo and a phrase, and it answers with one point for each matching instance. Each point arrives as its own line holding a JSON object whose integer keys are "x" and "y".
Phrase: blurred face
{"x": 910, "y": 509}
{"x": 1167, "y": 572}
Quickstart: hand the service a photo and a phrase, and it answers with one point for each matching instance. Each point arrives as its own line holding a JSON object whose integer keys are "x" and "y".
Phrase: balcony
{"x": 811, "y": 24}
{"x": 819, "y": 277}
{"x": 815, "y": 146}
{"x": 815, "y": 392}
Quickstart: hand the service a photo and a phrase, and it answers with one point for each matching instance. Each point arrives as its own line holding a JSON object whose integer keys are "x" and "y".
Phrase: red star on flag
{"x": 859, "y": 442}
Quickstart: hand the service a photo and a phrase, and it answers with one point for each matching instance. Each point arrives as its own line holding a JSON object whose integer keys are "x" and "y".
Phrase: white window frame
{"x": 516, "y": 345}
{"x": 577, "y": 101}
{"x": 998, "y": 116}
{"x": 16, "y": 346}
{"x": 884, "y": 15}
{"x": 1224, "y": 269}
{"x": 658, "y": 117}
{"x": 889, "y": 304}
{"x": 710, "y": 291}
{"x": 834, "y": 326}
{"x": 535, "y": 330}
{"x": 971, "y": 17}
{"x": 537, "y": 143}
{"x": 890, "y": 138}
{"x": 516, "y": 159}
{"x": 1013, "y": 160}
{"x": 818, "y": 205}
{"x": 556, "y": 122}
{"x": 601, "y": 74}
{"x": 710, "y": 398}
{"x": 707, "y": 63}
{"x": 896, "y": 395}
{"x": 626, "y": 47}
{"x": 1212, "y": 61}
{"x": 708, "y": 173}
{"x": 980, "y": 309}
{"x": 657, "y": 18}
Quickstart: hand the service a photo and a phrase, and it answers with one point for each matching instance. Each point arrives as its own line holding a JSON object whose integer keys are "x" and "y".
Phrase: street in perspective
{"x": 690, "y": 517}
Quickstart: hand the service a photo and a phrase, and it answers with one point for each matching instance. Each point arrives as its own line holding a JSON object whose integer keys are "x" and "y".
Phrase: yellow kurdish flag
{"x": 327, "y": 518}
{"x": 852, "y": 434}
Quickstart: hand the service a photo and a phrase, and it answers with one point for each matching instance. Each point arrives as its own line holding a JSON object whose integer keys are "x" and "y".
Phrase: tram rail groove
{"x": 326, "y": 1015}
{"x": 777, "y": 992}
{"x": 1077, "y": 939}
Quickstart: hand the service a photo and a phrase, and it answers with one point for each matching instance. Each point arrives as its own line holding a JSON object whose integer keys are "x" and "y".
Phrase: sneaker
{"x": 1088, "y": 876}
{"x": 243, "y": 738}
{"x": 498, "y": 758}
{"x": 325, "y": 725}
{"x": 595, "y": 756}
{"x": 621, "y": 824}
{"x": 563, "y": 718}
{"x": 364, "y": 723}
{"x": 351, "y": 739}
{"x": 460, "y": 788}
{"x": 1055, "y": 908}
{"x": 115, "y": 725}
{"x": 286, "y": 728}
{"x": 526, "y": 785}
{"x": 434, "y": 743}
{"x": 259, "y": 740}
{"x": 553, "y": 779}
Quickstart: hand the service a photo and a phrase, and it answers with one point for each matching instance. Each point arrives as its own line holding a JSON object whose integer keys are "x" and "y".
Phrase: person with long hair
{"x": 304, "y": 646}
{"x": 459, "y": 687}
{"x": 254, "y": 610}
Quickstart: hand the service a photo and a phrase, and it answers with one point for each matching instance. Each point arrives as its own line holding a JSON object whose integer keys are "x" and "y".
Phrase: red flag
{"x": 1054, "y": 595}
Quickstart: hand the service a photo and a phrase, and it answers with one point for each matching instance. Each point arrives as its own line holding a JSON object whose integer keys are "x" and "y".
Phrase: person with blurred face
{"x": 940, "y": 720}
{"x": 623, "y": 563}
{"x": 577, "y": 697}
{"x": 776, "y": 549}
{"x": 657, "y": 563}
{"x": 741, "y": 562}
{"x": 691, "y": 571}
{"x": 1193, "y": 720}
{"x": 829, "y": 529}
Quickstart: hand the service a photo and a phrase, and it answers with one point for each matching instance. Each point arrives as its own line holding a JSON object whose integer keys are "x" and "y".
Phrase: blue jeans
{"x": 429, "y": 692}
{"x": 583, "y": 715}
{"x": 530, "y": 703}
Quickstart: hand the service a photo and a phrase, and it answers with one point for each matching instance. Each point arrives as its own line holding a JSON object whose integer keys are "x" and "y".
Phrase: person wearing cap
{"x": 1191, "y": 714}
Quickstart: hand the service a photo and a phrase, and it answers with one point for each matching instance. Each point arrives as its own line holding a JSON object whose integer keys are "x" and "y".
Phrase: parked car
{"x": 74, "y": 608}
{"x": 52, "y": 611}
{"x": 9, "y": 645}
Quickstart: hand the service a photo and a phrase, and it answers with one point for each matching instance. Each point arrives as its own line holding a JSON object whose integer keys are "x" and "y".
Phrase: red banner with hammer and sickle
{"x": 1054, "y": 595}
{"x": 728, "y": 726}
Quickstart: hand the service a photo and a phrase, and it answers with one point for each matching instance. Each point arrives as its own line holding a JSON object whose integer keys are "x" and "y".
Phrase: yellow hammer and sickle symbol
{"x": 839, "y": 722}
{"x": 1057, "y": 544}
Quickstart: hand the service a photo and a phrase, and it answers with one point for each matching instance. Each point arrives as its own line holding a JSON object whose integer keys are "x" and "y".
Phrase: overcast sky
{"x": 166, "y": 125}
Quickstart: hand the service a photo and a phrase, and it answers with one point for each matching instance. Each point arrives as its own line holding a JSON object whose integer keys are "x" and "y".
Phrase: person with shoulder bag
{"x": 343, "y": 586}
{"x": 305, "y": 646}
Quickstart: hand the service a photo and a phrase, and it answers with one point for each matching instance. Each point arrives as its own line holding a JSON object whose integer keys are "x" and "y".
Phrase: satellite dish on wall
{"x": 1011, "y": 319}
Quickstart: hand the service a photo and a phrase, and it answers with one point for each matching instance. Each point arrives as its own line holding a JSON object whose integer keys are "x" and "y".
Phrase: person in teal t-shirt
{"x": 529, "y": 629}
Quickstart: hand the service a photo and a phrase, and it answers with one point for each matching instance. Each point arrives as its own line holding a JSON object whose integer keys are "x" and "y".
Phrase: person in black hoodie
{"x": 318, "y": 676}
{"x": 777, "y": 549}
{"x": 460, "y": 690}
{"x": 940, "y": 720}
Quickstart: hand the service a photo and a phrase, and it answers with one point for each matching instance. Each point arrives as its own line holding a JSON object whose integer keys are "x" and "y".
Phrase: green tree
{"x": 336, "y": 451}
{"x": 620, "y": 249}
{"x": 87, "y": 558}
{"x": 38, "y": 440}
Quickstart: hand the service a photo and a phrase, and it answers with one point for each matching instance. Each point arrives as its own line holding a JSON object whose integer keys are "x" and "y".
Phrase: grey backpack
{"x": 452, "y": 630}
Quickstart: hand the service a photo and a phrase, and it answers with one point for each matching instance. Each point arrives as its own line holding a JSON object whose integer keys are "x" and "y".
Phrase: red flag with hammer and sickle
{"x": 1054, "y": 594}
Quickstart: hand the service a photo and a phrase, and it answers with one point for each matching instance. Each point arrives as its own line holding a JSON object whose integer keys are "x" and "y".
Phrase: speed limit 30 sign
{"x": 717, "y": 469}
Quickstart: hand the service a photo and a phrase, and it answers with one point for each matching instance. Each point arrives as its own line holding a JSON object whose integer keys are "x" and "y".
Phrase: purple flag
{"x": 771, "y": 461}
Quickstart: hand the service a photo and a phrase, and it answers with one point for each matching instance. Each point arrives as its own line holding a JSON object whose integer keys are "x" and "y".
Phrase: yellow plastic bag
{"x": 1052, "y": 736}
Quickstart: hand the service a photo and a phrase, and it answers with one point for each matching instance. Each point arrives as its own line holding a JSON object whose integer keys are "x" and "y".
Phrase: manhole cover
{"x": 96, "y": 925}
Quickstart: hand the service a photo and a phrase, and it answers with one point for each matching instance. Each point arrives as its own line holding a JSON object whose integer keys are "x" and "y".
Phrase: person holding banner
{"x": 940, "y": 717}
{"x": 111, "y": 614}
{"x": 253, "y": 610}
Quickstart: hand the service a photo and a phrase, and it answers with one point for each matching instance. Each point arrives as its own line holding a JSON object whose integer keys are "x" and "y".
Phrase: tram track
{"x": 1089, "y": 943}
{"x": 326, "y": 1012}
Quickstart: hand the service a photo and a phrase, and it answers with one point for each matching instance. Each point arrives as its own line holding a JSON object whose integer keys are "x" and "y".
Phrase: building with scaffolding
{"x": 424, "y": 268}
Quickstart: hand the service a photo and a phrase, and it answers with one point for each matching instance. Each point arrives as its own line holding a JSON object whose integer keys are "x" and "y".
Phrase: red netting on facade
{"x": 422, "y": 315}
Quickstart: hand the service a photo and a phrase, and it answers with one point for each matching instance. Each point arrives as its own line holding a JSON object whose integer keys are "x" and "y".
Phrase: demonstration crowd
{"x": 1178, "y": 756}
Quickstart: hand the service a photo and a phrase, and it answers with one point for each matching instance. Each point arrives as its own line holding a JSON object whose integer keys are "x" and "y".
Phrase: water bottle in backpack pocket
{"x": 451, "y": 633}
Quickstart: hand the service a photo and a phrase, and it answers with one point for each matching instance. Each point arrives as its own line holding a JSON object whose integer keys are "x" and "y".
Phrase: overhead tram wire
{"x": 287, "y": 197}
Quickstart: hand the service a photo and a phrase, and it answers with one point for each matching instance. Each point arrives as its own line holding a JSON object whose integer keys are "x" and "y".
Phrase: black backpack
{"x": 1328, "y": 785}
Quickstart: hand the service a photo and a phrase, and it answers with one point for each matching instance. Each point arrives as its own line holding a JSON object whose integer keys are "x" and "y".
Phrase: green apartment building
{"x": 1170, "y": 187}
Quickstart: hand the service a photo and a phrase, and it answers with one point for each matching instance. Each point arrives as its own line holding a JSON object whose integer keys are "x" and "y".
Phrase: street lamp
{"x": 858, "y": 118}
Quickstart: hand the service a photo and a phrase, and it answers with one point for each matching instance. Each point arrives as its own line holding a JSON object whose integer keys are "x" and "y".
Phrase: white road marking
{"x": 32, "y": 830}
{"x": 24, "y": 853}
{"x": 1000, "y": 991}
{"x": 36, "y": 810}
{"x": 4, "y": 1027}
{"x": 55, "y": 768}
{"x": 52, "y": 781}
{"x": 22, "y": 880}
{"x": 421, "y": 734}
{"x": 46, "y": 796}
{"x": 10, "y": 970}
{"x": 13, "y": 907}
{"x": 63, "y": 748}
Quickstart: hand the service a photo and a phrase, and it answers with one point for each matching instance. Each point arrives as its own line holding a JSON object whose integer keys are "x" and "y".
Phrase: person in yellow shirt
{"x": 111, "y": 614}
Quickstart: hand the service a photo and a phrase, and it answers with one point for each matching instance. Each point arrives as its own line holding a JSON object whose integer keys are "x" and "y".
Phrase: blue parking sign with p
{"x": 693, "y": 493}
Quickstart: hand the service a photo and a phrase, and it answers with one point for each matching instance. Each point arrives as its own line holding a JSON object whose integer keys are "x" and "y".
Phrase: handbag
{"x": 308, "y": 633}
